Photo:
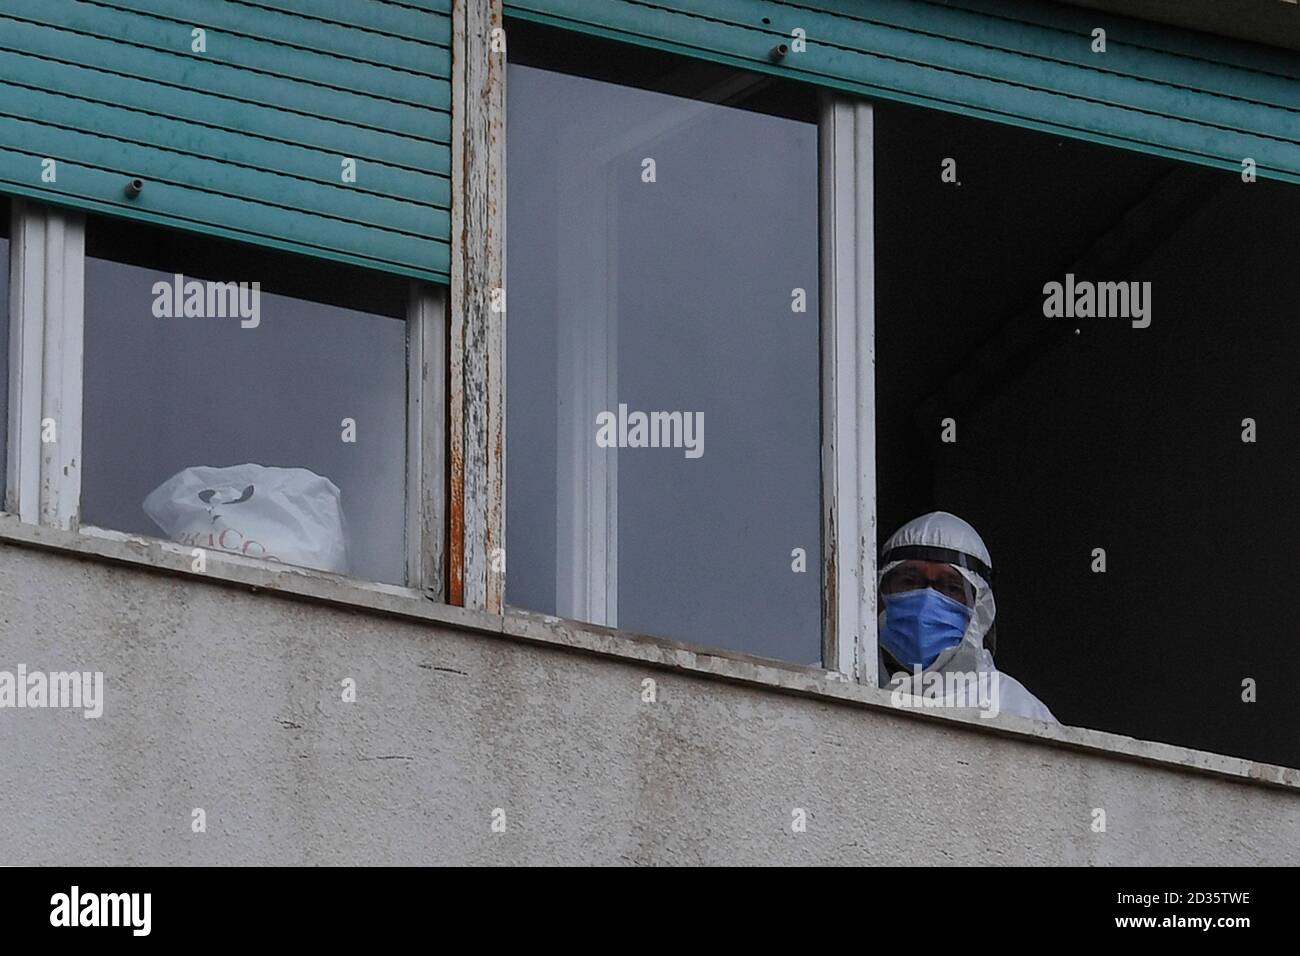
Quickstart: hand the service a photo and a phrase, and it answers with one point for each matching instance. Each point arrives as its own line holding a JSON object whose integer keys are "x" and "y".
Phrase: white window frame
{"x": 848, "y": 315}
{"x": 46, "y": 340}
{"x": 587, "y": 483}
{"x": 46, "y": 310}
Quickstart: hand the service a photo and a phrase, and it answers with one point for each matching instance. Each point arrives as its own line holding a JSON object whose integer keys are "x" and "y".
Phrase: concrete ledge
{"x": 515, "y": 625}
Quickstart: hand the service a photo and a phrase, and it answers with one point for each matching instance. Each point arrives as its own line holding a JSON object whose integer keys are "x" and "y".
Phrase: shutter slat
{"x": 304, "y": 111}
{"x": 97, "y": 190}
{"x": 259, "y": 57}
{"x": 417, "y": 53}
{"x": 245, "y": 141}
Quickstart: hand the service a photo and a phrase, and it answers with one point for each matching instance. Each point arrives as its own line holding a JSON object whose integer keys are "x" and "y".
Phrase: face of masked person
{"x": 915, "y": 575}
{"x": 927, "y": 608}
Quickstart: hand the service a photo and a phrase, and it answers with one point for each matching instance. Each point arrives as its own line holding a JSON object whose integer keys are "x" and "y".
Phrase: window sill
{"x": 411, "y": 604}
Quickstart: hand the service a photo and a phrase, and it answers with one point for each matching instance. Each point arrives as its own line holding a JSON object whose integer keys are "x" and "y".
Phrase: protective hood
{"x": 940, "y": 536}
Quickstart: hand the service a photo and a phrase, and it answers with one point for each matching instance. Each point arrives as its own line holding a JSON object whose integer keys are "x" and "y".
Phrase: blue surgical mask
{"x": 920, "y": 625}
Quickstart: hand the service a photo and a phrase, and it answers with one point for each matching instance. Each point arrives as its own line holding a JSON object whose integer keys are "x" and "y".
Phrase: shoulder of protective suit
{"x": 1016, "y": 698}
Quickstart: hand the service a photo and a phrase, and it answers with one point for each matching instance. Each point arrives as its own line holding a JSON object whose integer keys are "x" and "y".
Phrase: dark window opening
{"x": 229, "y": 430}
{"x": 1087, "y": 433}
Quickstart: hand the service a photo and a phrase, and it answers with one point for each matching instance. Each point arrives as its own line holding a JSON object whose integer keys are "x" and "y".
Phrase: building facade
{"x": 449, "y": 432}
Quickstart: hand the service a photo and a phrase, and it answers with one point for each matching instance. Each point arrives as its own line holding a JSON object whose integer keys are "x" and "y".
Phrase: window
{"x": 663, "y": 349}
{"x": 308, "y": 373}
{"x": 1115, "y": 456}
{"x": 229, "y": 398}
{"x": 1132, "y": 473}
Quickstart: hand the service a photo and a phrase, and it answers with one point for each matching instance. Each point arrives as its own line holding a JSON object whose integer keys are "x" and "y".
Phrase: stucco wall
{"x": 229, "y": 700}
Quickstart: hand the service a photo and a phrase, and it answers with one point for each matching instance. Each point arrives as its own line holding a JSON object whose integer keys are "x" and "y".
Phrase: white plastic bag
{"x": 290, "y": 515}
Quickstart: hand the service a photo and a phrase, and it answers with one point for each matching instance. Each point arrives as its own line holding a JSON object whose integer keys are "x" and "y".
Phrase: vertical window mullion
{"x": 476, "y": 362}
{"x": 426, "y": 439}
{"x": 61, "y": 388}
{"x": 26, "y": 344}
{"x": 45, "y": 385}
{"x": 848, "y": 389}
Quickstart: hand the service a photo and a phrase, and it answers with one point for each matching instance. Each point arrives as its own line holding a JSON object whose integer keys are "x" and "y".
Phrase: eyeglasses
{"x": 915, "y": 575}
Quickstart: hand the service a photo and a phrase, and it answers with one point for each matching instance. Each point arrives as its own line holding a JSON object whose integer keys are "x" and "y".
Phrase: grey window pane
{"x": 167, "y": 394}
{"x": 672, "y": 295}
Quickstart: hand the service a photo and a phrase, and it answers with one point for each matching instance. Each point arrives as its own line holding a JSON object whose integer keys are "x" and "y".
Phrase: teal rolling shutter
{"x": 248, "y": 139}
{"x": 1157, "y": 89}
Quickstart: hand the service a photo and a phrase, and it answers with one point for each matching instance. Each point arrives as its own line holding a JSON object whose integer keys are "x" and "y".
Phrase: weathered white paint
{"x": 226, "y": 696}
{"x": 477, "y": 359}
{"x": 848, "y": 388}
{"x": 47, "y": 304}
{"x": 26, "y": 348}
{"x": 426, "y": 439}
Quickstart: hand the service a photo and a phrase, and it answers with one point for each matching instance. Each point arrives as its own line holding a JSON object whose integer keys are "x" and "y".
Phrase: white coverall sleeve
{"x": 1017, "y": 699}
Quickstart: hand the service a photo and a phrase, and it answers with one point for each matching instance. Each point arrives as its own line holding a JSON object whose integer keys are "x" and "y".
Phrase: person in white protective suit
{"x": 936, "y": 621}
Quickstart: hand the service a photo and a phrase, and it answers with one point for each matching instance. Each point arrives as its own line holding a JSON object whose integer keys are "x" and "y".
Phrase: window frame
{"x": 46, "y": 322}
{"x": 848, "y": 314}
{"x": 46, "y": 336}
{"x": 848, "y": 465}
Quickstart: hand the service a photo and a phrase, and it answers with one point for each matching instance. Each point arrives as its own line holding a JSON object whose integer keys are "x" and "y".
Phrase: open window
{"x": 1126, "y": 449}
{"x": 1118, "y": 449}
